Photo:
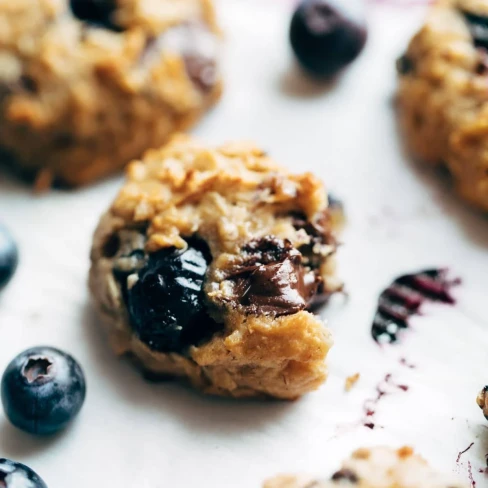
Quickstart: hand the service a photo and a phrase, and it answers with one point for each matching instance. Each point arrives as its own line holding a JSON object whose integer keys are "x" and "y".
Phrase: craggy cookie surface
{"x": 206, "y": 266}
{"x": 443, "y": 94}
{"x": 482, "y": 401}
{"x": 88, "y": 85}
{"x": 378, "y": 467}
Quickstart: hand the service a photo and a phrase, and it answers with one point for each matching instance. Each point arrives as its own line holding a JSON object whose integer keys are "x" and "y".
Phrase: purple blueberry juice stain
{"x": 460, "y": 453}
{"x": 385, "y": 387}
{"x": 404, "y": 297}
{"x": 470, "y": 475}
{"x": 406, "y": 363}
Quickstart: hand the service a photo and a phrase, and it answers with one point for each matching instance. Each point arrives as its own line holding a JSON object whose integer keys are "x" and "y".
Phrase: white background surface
{"x": 401, "y": 219}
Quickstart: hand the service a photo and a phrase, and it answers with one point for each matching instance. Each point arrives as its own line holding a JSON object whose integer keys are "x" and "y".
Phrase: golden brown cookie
{"x": 482, "y": 401}
{"x": 88, "y": 85}
{"x": 443, "y": 96}
{"x": 377, "y": 467}
{"x": 206, "y": 265}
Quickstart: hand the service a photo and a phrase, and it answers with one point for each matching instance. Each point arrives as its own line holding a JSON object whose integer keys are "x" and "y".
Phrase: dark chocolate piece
{"x": 273, "y": 280}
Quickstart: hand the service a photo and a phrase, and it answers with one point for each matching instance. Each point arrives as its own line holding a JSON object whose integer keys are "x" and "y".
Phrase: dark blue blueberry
{"x": 478, "y": 27}
{"x": 95, "y": 12}
{"x": 327, "y": 35}
{"x": 166, "y": 304}
{"x": 42, "y": 390}
{"x": 17, "y": 475}
{"x": 9, "y": 256}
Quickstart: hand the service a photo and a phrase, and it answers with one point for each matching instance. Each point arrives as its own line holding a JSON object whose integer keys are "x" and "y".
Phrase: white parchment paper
{"x": 401, "y": 218}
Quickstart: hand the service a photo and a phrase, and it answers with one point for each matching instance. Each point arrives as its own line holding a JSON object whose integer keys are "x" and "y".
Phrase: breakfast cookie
{"x": 207, "y": 264}
{"x": 482, "y": 401}
{"x": 442, "y": 96}
{"x": 88, "y": 85}
{"x": 378, "y": 467}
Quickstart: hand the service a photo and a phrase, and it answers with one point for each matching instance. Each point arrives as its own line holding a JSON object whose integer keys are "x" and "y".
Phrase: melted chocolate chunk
{"x": 345, "y": 475}
{"x": 478, "y": 28}
{"x": 272, "y": 279}
{"x": 319, "y": 235}
{"x": 404, "y": 297}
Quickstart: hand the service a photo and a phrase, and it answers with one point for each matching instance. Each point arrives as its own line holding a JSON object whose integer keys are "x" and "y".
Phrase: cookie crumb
{"x": 405, "y": 452}
{"x": 351, "y": 381}
{"x": 361, "y": 453}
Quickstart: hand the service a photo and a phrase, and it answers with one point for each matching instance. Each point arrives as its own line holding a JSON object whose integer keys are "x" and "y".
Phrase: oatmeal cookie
{"x": 443, "y": 96}
{"x": 378, "y": 467}
{"x": 88, "y": 85}
{"x": 207, "y": 264}
{"x": 482, "y": 401}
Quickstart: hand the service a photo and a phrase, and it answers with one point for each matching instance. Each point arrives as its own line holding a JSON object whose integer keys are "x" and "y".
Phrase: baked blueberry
{"x": 17, "y": 475}
{"x": 166, "y": 302}
{"x": 42, "y": 390}
{"x": 9, "y": 256}
{"x": 97, "y": 12}
{"x": 327, "y": 35}
{"x": 478, "y": 28}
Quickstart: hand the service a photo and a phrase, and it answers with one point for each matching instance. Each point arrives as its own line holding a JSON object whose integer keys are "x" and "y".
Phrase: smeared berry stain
{"x": 404, "y": 298}
{"x": 469, "y": 466}
{"x": 404, "y": 362}
{"x": 385, "y": 387}
{"x": 470, "y": 475}
{"x": 460, "y": 453}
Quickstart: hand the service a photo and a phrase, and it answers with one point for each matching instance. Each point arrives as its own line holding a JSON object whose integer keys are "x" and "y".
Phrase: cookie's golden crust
{"x": 443, "y": 97}
{"x": 82, "y": 101}
{"x": 377, "y": 467}
{"x": 482, "y": 401}
{"x": 228, "y": 197}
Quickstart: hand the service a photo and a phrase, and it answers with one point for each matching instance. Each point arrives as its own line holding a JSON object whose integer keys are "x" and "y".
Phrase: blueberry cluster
{"x": 42, "y": 391}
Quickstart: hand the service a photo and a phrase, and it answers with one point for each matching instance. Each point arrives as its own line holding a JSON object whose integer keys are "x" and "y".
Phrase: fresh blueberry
{"x": 17, "y": 475}
{"x": 96, "y": 12}
{"x": 327, "y": 35}
{"x": 42, "y": 390}
{"x": 166, "y": 303}
{"x": 9, "y": 256}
